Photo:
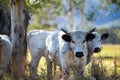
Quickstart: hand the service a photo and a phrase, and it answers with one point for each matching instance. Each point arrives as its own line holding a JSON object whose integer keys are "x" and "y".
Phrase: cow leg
{"x": 33, "y": 69}
{"x": 64, "y": 66}
{"x": 3, "y": 69}
{"x": 1, "y": 75}
{"x": 64, "y": 70}
{"x": 34, "y": 65}
{"x": 55, "y": 66}
{"x": 5, "y": 60}
{"x": 49, "y": 70}
{"x": 65, "y": 75}
{"x": 49, "y": 67}
{"x": 78, "y": 75}
{"x": 79, "y": 71}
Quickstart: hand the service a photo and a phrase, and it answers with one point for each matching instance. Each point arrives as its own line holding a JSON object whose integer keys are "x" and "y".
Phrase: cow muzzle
{"x": 96, "y": 50}
{"x": 79, "y": 54}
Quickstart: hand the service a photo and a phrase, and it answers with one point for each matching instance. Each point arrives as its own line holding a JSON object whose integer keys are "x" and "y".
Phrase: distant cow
{"x": 5, "y": 53}
{"x": 68, "y": 50}
{"x": 36, "y": 44}
{"x": 94, "y": 46}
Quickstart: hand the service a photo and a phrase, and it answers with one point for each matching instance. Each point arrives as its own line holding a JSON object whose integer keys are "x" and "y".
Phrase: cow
{"x": 68, "y": 50}
{"x": 94, "y": 46}
{"x": 5, "y": 54}
{"x": 36, "y": 44}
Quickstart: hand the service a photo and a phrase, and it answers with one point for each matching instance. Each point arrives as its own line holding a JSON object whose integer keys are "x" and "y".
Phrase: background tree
{"x": 4, "y": 18}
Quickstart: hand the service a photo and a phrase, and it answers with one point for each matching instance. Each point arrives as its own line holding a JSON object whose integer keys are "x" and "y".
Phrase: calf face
{"x": 77, "y": 41}
{"x": 96, "y": 43}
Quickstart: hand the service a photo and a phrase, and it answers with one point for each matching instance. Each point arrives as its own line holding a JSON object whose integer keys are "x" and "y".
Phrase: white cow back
{"x": 5, "y": 53}
{"x": 36, "y": 40}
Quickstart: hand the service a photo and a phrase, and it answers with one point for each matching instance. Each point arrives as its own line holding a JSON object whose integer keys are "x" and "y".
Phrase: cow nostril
{"x": 79, "y": 54}
{"x": 96, "y": 50}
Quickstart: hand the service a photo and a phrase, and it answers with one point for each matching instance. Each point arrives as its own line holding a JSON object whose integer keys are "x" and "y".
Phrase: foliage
{"x": 37, "y": 6}
{"x": 6, "y": 2}
{"x": 4, "y": 17}
{"x": 108, "y": 2}
{"x": 43, "y": 10}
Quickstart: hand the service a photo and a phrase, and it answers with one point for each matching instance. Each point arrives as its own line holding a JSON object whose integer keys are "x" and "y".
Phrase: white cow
{"x": 5, "y": 54}
{"x": 36, "y": 44}
{"x": 94, "y": 46}
{"x": 68, "y": 50}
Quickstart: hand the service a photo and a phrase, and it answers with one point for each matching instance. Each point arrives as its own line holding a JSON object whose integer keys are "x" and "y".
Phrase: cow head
{"x": 96, "y": 42}
{"x": 77, "y": 40}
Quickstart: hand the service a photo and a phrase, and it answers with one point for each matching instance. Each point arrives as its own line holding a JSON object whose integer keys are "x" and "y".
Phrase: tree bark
{"x": 19, "y": 25}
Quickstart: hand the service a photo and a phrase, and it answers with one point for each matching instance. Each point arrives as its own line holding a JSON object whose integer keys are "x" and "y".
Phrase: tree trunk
{"x": 19, "y": 25}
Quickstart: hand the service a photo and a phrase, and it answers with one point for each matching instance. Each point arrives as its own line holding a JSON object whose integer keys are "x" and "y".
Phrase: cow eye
{"x": 83, "y": 41}
{"x": 73, "y": 41}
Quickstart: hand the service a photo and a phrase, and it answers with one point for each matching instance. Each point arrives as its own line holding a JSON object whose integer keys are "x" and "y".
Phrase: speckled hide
{"x": 69, "y": 48}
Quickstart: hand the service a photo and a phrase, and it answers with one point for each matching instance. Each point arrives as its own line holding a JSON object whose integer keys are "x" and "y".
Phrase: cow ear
{"x": 90, "y": 37}
{"x": 104, "y": 36}
{"x": 66, "y": 38}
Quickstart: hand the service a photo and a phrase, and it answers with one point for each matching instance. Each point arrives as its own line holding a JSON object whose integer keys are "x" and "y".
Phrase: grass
{"x": 107, "y": 58}
{"x": 109, "y": 51}
{"x": 105, "y": 65}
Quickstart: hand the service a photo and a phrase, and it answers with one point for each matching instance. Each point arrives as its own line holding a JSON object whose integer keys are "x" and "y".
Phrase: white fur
{"x": 6, "y": 51}
{"x": 95, "y": 43}
{"x": 36, "y": 43}
{"x": 65, "y": 51}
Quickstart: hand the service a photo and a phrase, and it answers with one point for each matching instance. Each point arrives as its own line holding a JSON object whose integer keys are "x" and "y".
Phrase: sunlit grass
{"x": 109, "y": 51}
{"x": 109, "y": 54}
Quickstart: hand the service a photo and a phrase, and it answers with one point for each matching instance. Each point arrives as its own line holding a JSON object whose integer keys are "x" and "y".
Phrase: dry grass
{"x": 106, "y": 65}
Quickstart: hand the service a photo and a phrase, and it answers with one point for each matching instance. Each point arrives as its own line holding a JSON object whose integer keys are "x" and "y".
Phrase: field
{"x": 105, "y": 64}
